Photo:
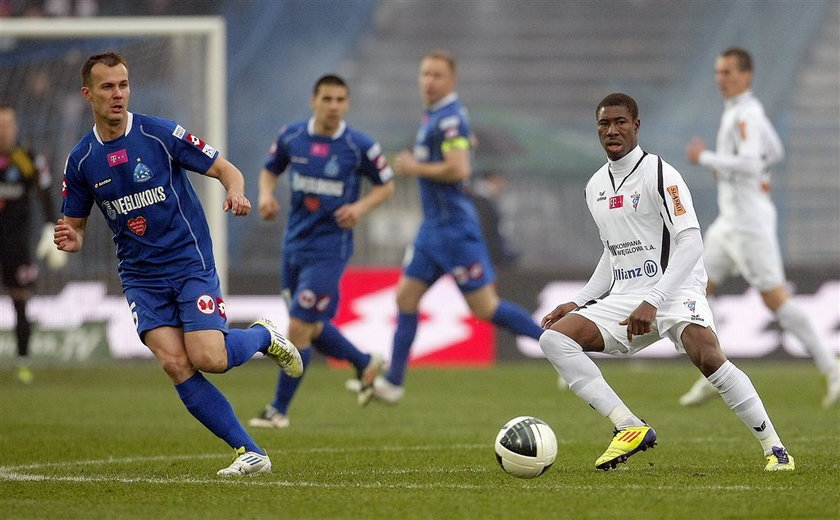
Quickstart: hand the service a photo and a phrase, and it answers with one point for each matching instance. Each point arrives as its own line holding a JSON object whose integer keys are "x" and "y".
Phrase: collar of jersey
{"x": 449, "y": 98}
{"x": 310, "y": 129}
{"x": 739, "y": 98}
{"x": 623, "y": 166}
{"x": 130, "y": 120}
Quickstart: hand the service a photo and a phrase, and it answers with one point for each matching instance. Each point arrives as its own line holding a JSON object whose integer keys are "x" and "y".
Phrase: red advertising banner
{"x": 448, "y": 334}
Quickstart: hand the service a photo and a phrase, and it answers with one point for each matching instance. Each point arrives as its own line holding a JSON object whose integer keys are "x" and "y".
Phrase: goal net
{"x": 177, "y": 70}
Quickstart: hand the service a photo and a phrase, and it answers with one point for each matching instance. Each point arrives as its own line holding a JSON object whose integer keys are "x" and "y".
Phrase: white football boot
{"x": 246, "y": 463}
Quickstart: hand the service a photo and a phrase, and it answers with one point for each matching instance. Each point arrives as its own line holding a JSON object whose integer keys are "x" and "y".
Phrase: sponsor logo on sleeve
{"x": 674, "y": 192}
{"x": 209, "y": 151}
{"x": 617, "y": 202}
{"x": 195, "y": 140}
{"x": 117, "y": 158}
{"x": 179, "y": 131}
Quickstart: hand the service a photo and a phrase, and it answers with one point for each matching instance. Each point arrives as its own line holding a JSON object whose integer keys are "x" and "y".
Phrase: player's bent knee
{"x": 702, "y": 348}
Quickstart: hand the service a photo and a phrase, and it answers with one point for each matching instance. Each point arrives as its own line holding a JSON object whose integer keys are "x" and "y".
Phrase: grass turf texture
{"x": 114, "y": 441}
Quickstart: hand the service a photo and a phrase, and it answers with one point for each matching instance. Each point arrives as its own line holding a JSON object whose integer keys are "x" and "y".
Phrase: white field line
{"x": 31, "y": 473}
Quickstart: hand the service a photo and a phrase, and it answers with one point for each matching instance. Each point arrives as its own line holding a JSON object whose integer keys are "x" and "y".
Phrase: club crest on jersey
{"x": 137, "y": 225}
{"x": 142, "y": 173}
{"x": 205, "y": 304}
{"x": 117, "y": 158}
{"x": 319, "y": 150}
{"x": 617, "y": 202}
{"x": 331, "y": 168}
{"x": 312, "y": 203}
{"x": 635, "y": 199}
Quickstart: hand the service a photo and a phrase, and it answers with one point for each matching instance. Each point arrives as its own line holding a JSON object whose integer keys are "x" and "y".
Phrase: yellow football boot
{"x": 625, "y": 443}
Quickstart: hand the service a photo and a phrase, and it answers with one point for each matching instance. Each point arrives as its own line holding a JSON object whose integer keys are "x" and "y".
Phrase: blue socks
{"x": 332, "y": 343}
{"x": 242, "y": 344}
{"x": 403, "y": 338}
{"x": 507, "y": 315}
{"x": 287, "y": 386}
{"x": 516, "y": 319}
{"x": 212, "y": 409}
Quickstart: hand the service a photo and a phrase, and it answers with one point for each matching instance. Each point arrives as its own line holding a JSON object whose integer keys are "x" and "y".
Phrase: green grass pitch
{"x": 113, "y": 441}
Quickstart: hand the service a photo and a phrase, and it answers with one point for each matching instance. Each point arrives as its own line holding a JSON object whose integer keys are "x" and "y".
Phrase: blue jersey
{"x": 140, "y": 186}
{"x": 445, "y": 125}
{"x": 325, "y": 173}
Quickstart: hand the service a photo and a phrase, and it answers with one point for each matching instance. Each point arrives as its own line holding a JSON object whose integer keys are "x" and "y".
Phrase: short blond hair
{"x": 442, "y": 54}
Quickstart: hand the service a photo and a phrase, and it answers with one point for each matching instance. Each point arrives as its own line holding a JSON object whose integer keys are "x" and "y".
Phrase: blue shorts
{"x": 192, "y": 303}
{"x": 313, "y": 287}
{"x": 461, "y": 253}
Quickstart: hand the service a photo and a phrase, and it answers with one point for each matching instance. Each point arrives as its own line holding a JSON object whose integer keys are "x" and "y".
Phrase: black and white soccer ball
{"x": 526, "y": 447}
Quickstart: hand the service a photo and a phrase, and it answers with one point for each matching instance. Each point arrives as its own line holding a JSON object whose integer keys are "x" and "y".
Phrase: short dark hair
{"x": 619, "y": 99}
{"x": 109, "y": 59}
{"x": 741, "y": 55}
{"x": 330, "y": 79}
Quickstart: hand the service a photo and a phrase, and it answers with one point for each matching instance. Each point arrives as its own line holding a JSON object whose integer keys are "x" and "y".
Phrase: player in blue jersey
{"x": 327, "y": 161}
{"x": 132, "y": 166}
{"x": 449, "y": 239}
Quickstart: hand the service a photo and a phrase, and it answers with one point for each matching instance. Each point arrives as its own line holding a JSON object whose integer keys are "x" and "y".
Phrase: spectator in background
{"x": 22, "y": 174}
{"x": 327, "y": 160}
{"x": 485, "y": 192}
{"x": 743, "y": 238}
{"x": 449, "y": 239}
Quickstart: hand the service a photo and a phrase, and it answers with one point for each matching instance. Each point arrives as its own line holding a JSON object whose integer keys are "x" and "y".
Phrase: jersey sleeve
{"x": 374, "y": 165}
{"x": 278, "y": 155}
{"x": 456, "y": 133}
{"x": 190, "y": 151}
{"x": 677, "y": 208}
{"x": 77, "y": 198}
{"x": 756, "y": 146}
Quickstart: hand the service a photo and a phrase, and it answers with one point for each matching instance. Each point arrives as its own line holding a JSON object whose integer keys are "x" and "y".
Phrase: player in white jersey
{"x": 742, "y": 240}
{"x": 652, "y": 275}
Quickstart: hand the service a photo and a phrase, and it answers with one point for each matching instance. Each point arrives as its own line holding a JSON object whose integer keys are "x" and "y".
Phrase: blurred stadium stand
{"x": 531, "y": 74}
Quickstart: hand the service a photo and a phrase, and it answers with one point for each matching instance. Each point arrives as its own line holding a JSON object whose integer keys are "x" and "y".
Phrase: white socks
{"x": 794, "y": 320}
{"x": 585, "y": 379}
{"x": 739, "y": 394}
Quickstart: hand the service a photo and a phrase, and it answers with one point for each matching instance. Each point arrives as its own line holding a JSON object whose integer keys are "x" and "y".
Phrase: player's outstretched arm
{"x": 233, "y": 181}
{"x": 68, "y": 234}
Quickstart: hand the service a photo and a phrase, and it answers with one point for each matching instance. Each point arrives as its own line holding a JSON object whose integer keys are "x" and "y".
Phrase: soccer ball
{"x": 526, "y": 447}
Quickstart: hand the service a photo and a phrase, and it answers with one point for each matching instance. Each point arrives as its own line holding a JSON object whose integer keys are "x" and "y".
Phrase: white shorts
{"x": 753, "y": 254}
{"x": 680, "y": 310}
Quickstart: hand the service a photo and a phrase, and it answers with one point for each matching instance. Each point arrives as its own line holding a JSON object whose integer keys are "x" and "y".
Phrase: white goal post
{"x": 212, "y": 32}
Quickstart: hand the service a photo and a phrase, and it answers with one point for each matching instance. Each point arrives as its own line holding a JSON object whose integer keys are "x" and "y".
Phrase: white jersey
{"x": 747, "y": 145}
{"x": 640, "y": 203}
